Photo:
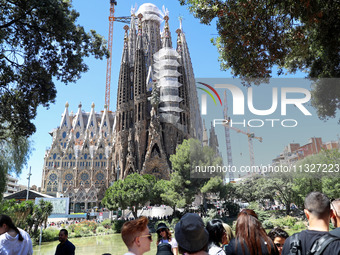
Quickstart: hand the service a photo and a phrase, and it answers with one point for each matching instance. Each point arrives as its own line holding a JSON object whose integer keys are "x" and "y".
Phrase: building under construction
{"x": 154, "y": 114}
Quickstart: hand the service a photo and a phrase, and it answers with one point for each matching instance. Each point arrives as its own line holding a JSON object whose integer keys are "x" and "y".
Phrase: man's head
{"x": 317, "y": 206}
{"x": 191, "y": 234}
{"x": 63, "y": 235}
{"x": 136, "y": 235}
{"x": 336, "y": 213}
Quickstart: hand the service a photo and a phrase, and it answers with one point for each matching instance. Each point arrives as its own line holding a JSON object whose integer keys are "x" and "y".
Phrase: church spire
{"x": 132, "y": 38}
{"x": 65, "y": 120}
{"x": 124, "y": 82}
{"x": 167, "y": 34}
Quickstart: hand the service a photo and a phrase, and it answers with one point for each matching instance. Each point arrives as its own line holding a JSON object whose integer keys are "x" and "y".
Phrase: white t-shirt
{"x": 215, "y": 250}
{"x": 12, "y": 246}
{"x": 173, "y": 242}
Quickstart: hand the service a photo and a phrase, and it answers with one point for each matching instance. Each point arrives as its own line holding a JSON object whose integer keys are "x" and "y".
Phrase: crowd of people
{"x": 216, "y": 238}
{"x": 192, "y": 236}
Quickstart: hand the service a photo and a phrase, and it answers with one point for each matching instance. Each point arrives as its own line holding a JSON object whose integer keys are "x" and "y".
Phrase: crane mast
{"x": 109, "y": 60}
{"x": 227, "y": 138}
{"x": 250, "y": 135}
{"x": 112, "y": 18}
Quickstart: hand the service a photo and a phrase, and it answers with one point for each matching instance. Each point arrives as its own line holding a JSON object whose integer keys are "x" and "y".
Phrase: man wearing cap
{"x": 191, "y": 235}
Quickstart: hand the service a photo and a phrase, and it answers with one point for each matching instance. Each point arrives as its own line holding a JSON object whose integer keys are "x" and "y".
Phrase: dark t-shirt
{"x": 308, "y": 237}
{"x": 335, "y": 232}
{"x": 230, "y": 249}
{"x": 66, "y": 248}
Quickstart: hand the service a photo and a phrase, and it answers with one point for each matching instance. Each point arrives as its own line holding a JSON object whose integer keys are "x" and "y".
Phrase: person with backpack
{"x": 316, "y": 239}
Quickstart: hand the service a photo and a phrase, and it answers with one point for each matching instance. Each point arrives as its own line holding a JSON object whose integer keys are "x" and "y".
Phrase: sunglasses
{"x": 149, "y": 236}
{"x": 278, "y": 245}
{"x": 162, "y": 230}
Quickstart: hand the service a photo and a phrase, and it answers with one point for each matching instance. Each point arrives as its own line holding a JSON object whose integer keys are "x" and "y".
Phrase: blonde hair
{"x": 228, "y": 231}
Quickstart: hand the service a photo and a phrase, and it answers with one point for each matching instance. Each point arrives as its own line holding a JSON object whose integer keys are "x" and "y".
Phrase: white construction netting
{"x": 150, "y": 12}
{"x": 165, "y": 67}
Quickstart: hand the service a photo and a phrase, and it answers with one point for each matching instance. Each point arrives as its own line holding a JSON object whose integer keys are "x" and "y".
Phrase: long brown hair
{"x": 159, "y": 237}
{"x": 249, "y": 232}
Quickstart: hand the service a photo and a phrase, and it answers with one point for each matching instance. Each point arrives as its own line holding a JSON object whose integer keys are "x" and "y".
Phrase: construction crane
{"x": 112, "y": 18}
{"x": 250, "y": 136}
{"x": 227, "y": 138}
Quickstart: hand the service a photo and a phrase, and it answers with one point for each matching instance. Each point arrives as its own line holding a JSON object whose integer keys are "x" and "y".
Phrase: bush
{"x": 299, "y": 226}
{"x": 268, "y": 224}
{"x": 117, "y": 225}
{"x": 106, "y": 223}
{"x": 289, "y": 221}
{"x": 101, "y": 229}
{"x": 50, "y": 234}
{"x": 82, "y": 231}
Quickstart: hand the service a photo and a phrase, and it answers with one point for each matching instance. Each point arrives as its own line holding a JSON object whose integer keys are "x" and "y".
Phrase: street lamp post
{"x": 28, "y": 185}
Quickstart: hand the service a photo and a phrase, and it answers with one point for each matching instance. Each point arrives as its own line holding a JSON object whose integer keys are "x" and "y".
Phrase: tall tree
{"x": 14, "y": 153}
{"x": 190, "y": 155}
{"x": 255, "y": 36}
{"x": 39, "y": 42}
{"x": 134, "y": 191}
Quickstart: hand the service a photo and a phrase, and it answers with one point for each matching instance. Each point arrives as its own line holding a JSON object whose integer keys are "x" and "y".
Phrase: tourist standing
{"x": 318, "y": 213}
{"x": 251, "y": 238}
{"x": 228, "y": 235}
{"x": 65, "y": 247}
{"x": 13, "y": 241}
{"x": 279, "y": 237}
{"x": 191, "y": 235}
{"x": 136, "y": 236}
{"x": 216, "y": 232}
{"x": 164, "y": 236}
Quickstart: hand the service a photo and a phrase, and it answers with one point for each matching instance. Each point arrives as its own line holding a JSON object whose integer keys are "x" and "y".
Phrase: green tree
{"x": 27, "y": 215}
{"x": 14, "y": 154}
{"x": 255, "y": 36}
{"x": 173, "y": 193}
{"x": 40, "y": 42}
{"x": 134, "y": 191}
{"x": 186, "y": 183}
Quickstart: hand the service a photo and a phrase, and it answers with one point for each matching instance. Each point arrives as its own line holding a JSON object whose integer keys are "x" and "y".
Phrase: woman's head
{"x": 216, "y": 231}
{"x": 279, "y": 237}
{"x": 6, "y": 224}
{"x": 163, "y": 232}
{"x": 249, "y": 232}
{"x": 228, "y": 234}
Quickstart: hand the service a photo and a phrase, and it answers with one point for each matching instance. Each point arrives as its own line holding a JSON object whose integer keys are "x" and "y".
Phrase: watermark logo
{"x": 204, "y": 97}
{"x": 279, "y": 98}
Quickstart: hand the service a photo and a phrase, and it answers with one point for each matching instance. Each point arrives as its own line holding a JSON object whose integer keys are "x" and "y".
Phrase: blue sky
{"x": 91, "y": 87}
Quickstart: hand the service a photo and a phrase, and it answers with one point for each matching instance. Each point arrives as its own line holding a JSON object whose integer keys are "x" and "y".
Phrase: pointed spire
{"x": 180, "y": 18}
{"x": 139, "y": 34}
{"x": 167, "y": 35}
{"x": 179, "y": 41}
{"x": 65, "y": 119}
{"x": 125, "y": 57}
{"x": 132, "y": 39}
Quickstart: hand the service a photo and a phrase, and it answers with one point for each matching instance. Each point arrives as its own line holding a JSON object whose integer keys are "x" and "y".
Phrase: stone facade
{"x": 154, "y": 114}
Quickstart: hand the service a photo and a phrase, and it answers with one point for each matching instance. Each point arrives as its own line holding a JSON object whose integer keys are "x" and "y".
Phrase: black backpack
{"x": 318, "y": 247}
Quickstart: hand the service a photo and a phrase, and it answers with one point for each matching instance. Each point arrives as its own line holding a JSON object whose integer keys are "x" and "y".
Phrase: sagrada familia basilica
{"x": 157, "y": 108}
